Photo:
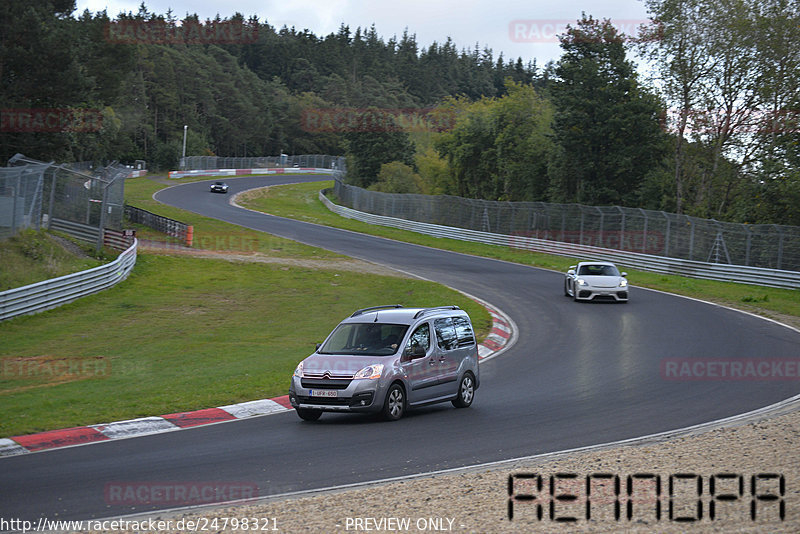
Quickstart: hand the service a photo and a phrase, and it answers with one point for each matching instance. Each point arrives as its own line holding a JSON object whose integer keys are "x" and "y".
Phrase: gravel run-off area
{"x": 476, "y": 500}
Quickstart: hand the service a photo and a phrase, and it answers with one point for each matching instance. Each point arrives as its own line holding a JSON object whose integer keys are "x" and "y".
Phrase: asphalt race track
{"x": 579, "y": 374}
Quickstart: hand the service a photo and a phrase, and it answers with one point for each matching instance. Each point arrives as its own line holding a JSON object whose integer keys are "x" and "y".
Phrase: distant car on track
{"x": 596, "y": 280}
{"x": 219, "y": 187}
{"x": 387, "y": 359}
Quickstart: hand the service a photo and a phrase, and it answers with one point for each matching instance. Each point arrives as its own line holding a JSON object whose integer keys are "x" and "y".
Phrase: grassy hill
{"x": 33, "y": 256}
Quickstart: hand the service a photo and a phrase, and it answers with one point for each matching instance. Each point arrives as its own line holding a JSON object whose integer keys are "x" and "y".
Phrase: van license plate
{"x": 324, "y": 393}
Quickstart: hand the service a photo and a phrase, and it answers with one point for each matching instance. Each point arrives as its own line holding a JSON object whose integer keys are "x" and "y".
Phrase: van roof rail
{"x": 432, "y": 310}
{"x": 385, "y": 306}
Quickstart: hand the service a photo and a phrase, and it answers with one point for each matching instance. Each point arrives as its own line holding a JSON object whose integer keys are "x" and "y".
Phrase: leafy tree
{"x": 606, "y": 128}
{"x": 499, "y": 147}
{"x": 523, "y": 142}
{"x": 397, "y": 177}
{"x": 731, "y": 69}
{"x": 377, "y": 139}
{"x": 470, "y": 149}
{"x": 434, "y": 172}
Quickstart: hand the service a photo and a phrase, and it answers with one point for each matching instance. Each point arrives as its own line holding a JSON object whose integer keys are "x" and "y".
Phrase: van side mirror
{"x": 415, "y": 352}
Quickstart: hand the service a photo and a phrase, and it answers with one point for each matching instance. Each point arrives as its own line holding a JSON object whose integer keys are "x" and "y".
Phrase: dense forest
{"x": 712, "y": 131}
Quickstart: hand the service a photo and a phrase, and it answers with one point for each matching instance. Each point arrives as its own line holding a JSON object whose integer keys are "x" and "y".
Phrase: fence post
{"x": 103, "y": 209}
{"x": 644, "y": 233}
{"x": 747, "y": 246}
{"x": 602, "y": 227}
{"x": 15, "y": 192}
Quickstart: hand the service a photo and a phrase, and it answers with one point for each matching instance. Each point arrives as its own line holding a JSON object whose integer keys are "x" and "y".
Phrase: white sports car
{"x": 596, "y": 280}
{"x": 219, "y": 187}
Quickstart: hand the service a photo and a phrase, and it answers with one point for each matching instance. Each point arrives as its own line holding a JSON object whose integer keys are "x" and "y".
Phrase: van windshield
{"x": 368, "y": 339}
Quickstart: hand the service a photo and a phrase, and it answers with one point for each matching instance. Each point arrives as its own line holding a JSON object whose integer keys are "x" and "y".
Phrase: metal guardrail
{"x": 168, "y": 226}
{"x": 119, "y": 240}
{"x": 52, "y": 293}
{"x": 84, "y": 232}
{"x": 646, "y": 262}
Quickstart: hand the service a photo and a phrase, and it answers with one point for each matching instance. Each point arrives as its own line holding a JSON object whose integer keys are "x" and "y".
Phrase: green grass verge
{"x": 300, "y": 201}
{"x": 185, "y": 333}
{"x": 33, "y": 256}
{"x": 212, "y": 234}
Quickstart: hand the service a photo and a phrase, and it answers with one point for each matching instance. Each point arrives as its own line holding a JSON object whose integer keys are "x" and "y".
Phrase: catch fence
{"x": 78, "y": 198}
{"x": 655, "y": 233}
{"x": 318, "y": 161}
{"x": 21, "y": 198}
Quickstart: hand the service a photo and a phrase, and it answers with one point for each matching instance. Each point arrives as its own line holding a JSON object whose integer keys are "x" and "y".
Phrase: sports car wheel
{"x": 566, "y": 290}
{"x": 395, "y": 405}
{"x": 466, "y": 391}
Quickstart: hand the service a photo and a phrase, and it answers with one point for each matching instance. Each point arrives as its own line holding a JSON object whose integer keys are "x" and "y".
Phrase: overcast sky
{"x": 518, "y": 28}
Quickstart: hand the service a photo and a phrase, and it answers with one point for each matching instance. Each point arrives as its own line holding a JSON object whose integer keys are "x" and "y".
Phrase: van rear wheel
{"x": 466, "y": 391}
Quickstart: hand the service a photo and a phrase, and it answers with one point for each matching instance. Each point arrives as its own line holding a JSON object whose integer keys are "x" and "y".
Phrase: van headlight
{"x": 298, "y": 372}
{"x": 370, "y": 372}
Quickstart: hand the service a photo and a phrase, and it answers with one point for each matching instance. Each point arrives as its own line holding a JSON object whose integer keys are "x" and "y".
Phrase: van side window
{"x": 445, "y": 333}
{"x": 421, "y": 337}
{"x": 464, "y": 331}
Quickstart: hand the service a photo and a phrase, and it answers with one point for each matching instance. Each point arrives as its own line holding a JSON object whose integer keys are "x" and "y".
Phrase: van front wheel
{"x": 395, "y": 405}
